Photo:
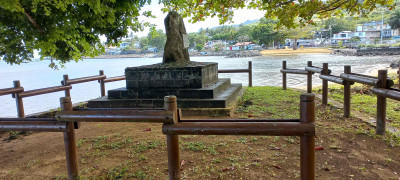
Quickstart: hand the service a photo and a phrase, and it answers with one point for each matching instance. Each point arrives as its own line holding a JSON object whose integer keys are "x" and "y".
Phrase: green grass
{"x": 261, "y": 102}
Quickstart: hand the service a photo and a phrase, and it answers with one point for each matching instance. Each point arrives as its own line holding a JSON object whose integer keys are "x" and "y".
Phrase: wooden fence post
{"x": 69, "y": 141}
{"x": 65, "y": 83}
{"x": 284, "y": 75}
{"x": 347, "y": 93}
{"x": 170, "y": 104}
{"x": 102, "y": 85}
{"x": 309, "y": 78}
{"x": 250, "y": 74}
{"x": 381, "y": 104}
{"x": 307, "y": 143}
{"x": 325, "y": 84}
{"x": 398, "y": 72}
{"x": 18, "y": 101}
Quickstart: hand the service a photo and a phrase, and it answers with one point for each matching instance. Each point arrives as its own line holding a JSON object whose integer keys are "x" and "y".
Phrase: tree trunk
{"x": 295, "y": 44}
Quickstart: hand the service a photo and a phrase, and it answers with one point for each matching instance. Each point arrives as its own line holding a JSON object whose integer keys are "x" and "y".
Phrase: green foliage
{"x": 64, "y": 30}
{"x": 287, "y": 12}
{"x": 264, "y": 33}
{"x": 244, "y": 32}
{"x": 355, "y": 38}
{"x": 297, "y": 33}
{"x": 157, "y": 38}
{"x": 394, "y": 20}
{"x": 197, "y": 40}
{"x": 144, "y": 43}
{"x": 340, "y": 24}
{"x": 199, "y": 47}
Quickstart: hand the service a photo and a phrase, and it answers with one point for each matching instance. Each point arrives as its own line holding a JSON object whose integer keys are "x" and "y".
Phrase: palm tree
{"x": 394, "y": 20}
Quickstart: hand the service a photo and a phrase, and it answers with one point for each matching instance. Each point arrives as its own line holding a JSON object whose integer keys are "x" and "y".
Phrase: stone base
{"x": 212, "y": 91}
{"x": 195, "y": 84}
{"x": 222, "y": 100}
{"x": 172, "y": 75}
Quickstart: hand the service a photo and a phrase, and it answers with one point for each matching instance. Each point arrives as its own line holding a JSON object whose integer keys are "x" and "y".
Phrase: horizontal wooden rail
{"x": 83, "y": 79}
{"x": 47, "y": 126}
{"x": 364, "y": 79}
{"x": 241, "y": 128}
{"x": 118, "y": 109}
{"x": 389, "y": 93}
{"x": 43, "y": 91}
{"x": 294, "y": 71}
{"x": 11, "y": 91}
{"x": 363, "y": 75}
{"x": 28, "y": 119}
{"x": 153, "y": 116}
{"x": 116, "y": 78}
{"x": 249, "y": 70}
{"x": 233, "y": 71}
{"x": 335, "y": 79}
{"x": 359, "y": 79}
{"x": 390, "y": 81}
{"x": 240, "y": 120}
{"x": 317, "y": 69}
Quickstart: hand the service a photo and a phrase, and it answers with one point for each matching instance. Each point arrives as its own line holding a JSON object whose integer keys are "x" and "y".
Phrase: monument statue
{"x": 176, "y": 47}
{"x": 195, "y": 84}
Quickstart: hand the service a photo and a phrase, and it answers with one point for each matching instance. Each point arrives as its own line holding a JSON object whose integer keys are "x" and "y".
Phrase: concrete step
{"x": 222, "y": 100}
{"x": 212, "y": 91}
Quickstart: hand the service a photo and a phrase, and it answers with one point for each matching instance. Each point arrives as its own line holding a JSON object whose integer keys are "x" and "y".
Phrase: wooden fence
{"x": 382, "y": 88}
{"x": 248, "y": 70}
{"x": 173, "y": 126}
{"x": 66, "y": 121}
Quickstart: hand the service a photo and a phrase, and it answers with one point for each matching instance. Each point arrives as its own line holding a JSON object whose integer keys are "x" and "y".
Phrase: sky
{"x": 239, "y": 17}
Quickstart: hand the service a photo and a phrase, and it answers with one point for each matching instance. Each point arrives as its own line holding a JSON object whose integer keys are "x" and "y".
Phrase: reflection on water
{"x": 265, "y": 73}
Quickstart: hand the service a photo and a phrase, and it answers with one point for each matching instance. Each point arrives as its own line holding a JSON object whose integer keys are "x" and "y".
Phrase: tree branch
{"x": 36, "y": 25}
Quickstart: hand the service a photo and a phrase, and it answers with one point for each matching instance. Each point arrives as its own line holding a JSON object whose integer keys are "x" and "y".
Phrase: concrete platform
{"x": 211, "y": 91}
{"x": 195, "y": 84}
{"x": 223, "y": 100}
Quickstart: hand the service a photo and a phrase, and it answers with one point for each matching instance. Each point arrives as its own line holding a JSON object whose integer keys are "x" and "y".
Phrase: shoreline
{"x": 267, "y": 52}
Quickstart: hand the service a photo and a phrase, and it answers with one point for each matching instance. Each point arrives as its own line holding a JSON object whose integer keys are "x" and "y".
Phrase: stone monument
{"x": 177, "y": 45}
{"x": 195, "y": 84}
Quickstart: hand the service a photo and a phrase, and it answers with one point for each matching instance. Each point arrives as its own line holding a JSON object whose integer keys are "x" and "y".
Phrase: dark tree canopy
{"x": 394, "y": 20}
{"x": 70, "y": 29}
{"x": 64, "y": 30}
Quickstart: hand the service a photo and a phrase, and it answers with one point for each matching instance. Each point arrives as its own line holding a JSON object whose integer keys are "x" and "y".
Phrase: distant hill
{"x": 250, "y": 21}
{"x": 236, "y": 25}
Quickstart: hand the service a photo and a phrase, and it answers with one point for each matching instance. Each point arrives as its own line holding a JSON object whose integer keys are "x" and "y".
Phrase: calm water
{"x": 265, "y": 73}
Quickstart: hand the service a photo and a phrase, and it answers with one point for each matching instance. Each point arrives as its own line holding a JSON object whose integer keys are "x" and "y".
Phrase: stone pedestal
{"x": 172, "y": 75}
{"x": 195, "y": 84}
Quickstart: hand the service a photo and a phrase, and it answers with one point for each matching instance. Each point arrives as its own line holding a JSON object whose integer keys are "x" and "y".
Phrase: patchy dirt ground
{"x": 138, "y": 150}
